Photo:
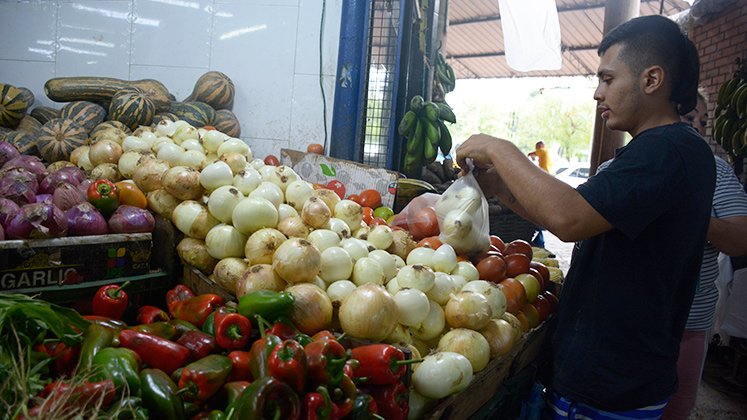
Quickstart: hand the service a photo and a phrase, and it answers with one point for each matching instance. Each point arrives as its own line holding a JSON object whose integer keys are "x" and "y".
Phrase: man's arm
{"x": 533, "y": 193}
{"x": 729, "y": 235}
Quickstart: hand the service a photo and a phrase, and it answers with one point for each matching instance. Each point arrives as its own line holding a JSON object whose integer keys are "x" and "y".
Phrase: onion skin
{"x": 66, "y": 196}
{"x": 469, "y": 344}
{"x": 131, "y": 219}
{"x": 162, "y": 203}
{"x": 193, "y": 219}
{"x": 37, "y": 221}
{"x": 19, "y": 185}
{"x": 7, "y": 152}
{"x": 30, "y": 163}
{"x": 312, "y": 308}
{"x": 369, "y": 312}
{"x": 183, "y": 183}
{"x": 8, "y": 210}
{"x": 262, "y": 244}
{"x": 501, "y": 337}
{"x": 468, "y": 310}
{"x": 148, "y": 175}
{"x": 297, "y": 261}
{"x": 194, "y": 252}
{"x": 259, "y": 277}
{"x": 228, "y": 271}
{"x": 84, "y": 219}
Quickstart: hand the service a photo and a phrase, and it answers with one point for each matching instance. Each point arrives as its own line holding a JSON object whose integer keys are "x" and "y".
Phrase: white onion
{"x": 386, "y": 260}
{"x": 222, "y": 202}
{"x": 315, "y": 213}
{"x": 323, "y": 239}
{"x": 192, "y": 159}
{"x": 193, "y": 219}
{"x": 212, "y": 140}
{"x": 270, "y": 192}
{"x": 265, "y": 171}
{"x": 312, "y": 308}
{"x": 416, "y": 276}
{"x": 215, "y": 175}
{"x": 328, "y": 196}
{"x": 148, "y": 137}
{"x": 380, "y": 236}
{"x": 236, "y": 161}
{"x": 340, "y": 289}
{"x": 185, "y": 132}
{"x": 228, "y": 271}
{"x": 259, "y": 277}
{"x": 442, "y": 374}
{"x": 247, "y": 180}
{"x": 468, "y": 310}
{"x": 257, "y": 164}
{"x": 225, "y": 241}
{"x": 297, "y": 260}
{"x": 492, "y": 293}
{"x": 104, "y": 151}
{"x": 166, "y": 128}
{"x": 443, "y": 288}
{"x": 500, "y": 336}
{"x": 210, "y": 158}
{"x": 362, "y": 233}
{"x": 147, "y": 175}
{"x": 281, "y": 176}
{"x": 339, "y": 226}
{"x": 355, "y": 247}
{"x": 402, "y": 243}
{"x": 294, "y": 227}
{"x": 349, "y": 212}
{"x": 336, "y": 265}
{"x": 392, "y": 286}
{"x": 318, "y": 282}
{"x": 160, "y": 142}
{"x": 433, "y": 323}
{"x": 194, "y": 252}
{"x": 369, "y": 312}
{"x": 469, "y": 344}
{"x": 412, "y": 307}
{"x": 183, "y": 183}
{"x": 458, "y": 280}
{"x": 467, "y": 270}
{"x": 400, "y": 336}
{"x": 422, "y": 256}
{"x": 444, "y": 259}
{"x": 235, "y": 145}
{"x": 285, "y": 211}
{"x": 262, "y": 244}
{"x": 162, "y": 203}
{"x": 132, "y": 143}
{"x": 297, "y": 192}
{"x": 252, "y": 214}
{"x": 192, "y": 144}
{"x": 171, "y": 153}
{"x": 398, "y": 261}
{"x": 367, "y": 270}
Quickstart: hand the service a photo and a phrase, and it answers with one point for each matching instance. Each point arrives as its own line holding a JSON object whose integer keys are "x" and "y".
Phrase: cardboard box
{"x": 26, "y": 265}
{"x": 356, "y": 177}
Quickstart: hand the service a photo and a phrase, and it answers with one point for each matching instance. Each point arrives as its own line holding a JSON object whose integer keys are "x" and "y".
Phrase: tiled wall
{"x": 269, "y": 48}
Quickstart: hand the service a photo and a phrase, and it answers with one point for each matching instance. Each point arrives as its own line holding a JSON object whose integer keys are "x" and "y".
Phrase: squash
{"x": 131, "y": 107}
{"x": 4, "y": 133}
{"x": 227, "y": 123}
{"x": 87, "y": 114}
{"x": 27, "y": 96}
{"x": 59, "y": 137}
{"x": 45, "y": 113}
{"x": 29, "y": 124}
{"x": 102, "y": 89}
{"x": 168, "y": 116}
{"x": 215, "y": 89}
{"x": 13, "y": 105}
{"x": 109, "y": 124}
{"x": 197, "y": 114}
{"x": 24, "y": 142}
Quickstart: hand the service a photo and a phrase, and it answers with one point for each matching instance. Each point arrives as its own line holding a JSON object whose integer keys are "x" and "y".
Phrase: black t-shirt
{"x": 628, "y": 291}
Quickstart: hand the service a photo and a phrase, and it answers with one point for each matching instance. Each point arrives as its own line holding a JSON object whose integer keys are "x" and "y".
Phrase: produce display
{"x": 730, "y": 124}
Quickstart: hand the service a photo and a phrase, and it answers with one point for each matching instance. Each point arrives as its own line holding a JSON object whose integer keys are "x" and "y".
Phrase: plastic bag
{"x": 419, "y": 216}
{"x": 463, "y": 217}
{"x": 531, "y": 34}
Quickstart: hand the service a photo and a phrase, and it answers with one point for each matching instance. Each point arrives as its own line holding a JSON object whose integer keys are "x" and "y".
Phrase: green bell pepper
{"x": 203, "y": 378}
{"x": 160, "y": 395}
{"x": 268, "y": 304}
{"x": 259, "y": 355}
{"x": 104, "y": 195}
{"x": 97, "y": 337}
{"x": 121, "y": 365}
{"x": 266, "y": 398}
{"x": 209, "y": 326}
{"x": 182, "y": 327}
{"x": 161, "y": 329}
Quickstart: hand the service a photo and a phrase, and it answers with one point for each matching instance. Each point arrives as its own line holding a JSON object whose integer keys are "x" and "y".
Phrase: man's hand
{"x": 477, "y": 148}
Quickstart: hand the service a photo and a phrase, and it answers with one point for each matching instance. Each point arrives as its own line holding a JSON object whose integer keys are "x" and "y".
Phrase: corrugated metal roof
{"x": 474, "y": 39}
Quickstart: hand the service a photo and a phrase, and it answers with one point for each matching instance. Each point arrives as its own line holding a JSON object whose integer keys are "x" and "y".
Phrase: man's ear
{"x": 652, "y": 79}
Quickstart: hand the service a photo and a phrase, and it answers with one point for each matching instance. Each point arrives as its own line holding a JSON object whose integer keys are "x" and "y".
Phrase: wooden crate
{"x": 200, "y": 283}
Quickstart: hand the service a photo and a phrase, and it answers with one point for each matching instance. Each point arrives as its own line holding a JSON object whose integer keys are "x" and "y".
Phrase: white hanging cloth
{"x": 531, "y": 34}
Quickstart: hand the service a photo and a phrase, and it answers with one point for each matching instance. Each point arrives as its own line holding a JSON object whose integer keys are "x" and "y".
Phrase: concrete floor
{"x": 719, "y": 396}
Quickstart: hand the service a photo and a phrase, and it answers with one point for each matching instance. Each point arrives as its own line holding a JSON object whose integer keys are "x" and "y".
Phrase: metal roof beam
{"x": 502, "y": 53}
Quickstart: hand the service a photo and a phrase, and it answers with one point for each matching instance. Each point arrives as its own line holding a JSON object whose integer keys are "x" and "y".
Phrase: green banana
{"x": 718, "y": 129}
{"x": 429, "y": 152}
{"x": 731, "y": 126}
{"x": 416, "y": 103}
{"x": 734, "y": 99}
{"x": 415, "y": 143}
{"x": 408, "y": 121}
{"x": 740, "y": 102}
{"x": 430, "y": 111}
{"x": 737, "y": 142}
{"x": 729, "y": 87}
{"x": 432, "y": 134}
{"x": 445, "y": 144}
{"x": 446, "y": 113}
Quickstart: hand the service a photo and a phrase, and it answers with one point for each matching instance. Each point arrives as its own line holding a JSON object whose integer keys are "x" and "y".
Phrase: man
{"x": 543, "y": 155}
{"x": 642, "y": 224}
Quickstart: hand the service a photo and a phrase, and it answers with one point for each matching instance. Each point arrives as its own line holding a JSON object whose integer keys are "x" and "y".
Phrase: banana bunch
{"x": 730, "y": 125}
{"x": 445, "y": 74}
{"x": 423, "y": 126}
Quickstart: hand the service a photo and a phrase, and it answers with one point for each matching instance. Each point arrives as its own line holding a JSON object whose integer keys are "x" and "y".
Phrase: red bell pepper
{"x": 232, "y": 330}
{"x": 344, "y": 395}
{"x": 283, "y": 328}
{"x": 203, "y": 378}
{"x": 106, "y": 321}
{"x": 150, "y": 314}
{"x": 178, "y": 294}
{"x": 73, "y": 396}
{"x": 380, "y": 364}
{"x": 157, "y": 352}
{"x": 198, "y": 343}
{"x": 65, "y": 357}
{"x": 259, "y": 356}
{"x": 240, "y": 366}
{"x": 326, "y": 361}
{"x": 391, "y": 400}
{"x": 324, "y": 335}
{"x": 110, "y": 300}
{"x": 197, "y": 309}
{"x": 318, "y": 406}
{"x": 234, "y": 388}
{"x": 161, "y": 329}
{"x": 104, "y": 195}
{"x": 288, "y": 363}
{"x": 351, "y": 365}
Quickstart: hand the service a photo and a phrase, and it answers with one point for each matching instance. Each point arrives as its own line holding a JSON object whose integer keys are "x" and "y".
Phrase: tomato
{"x": 552, "y": 299}
{"x": 431, "y": 242}
{"x": 423, "y": 224}
{"x": 315, "y": 148}
{"x": 272, "y": 160}
{"x": 131, "y": 195}
{"x": 531, "y": 286}
{"x": 338, "y": 187}
{"x": 537, "y": 276}
{"x": 354, "y": 197}
{"x": 543, "y": 307}
{"x": 497, "y": 242}
{"x": 481, "y": 256}
{"x": 519, "y": 246}
{"x": 367, "y": 215}
{"x": 376, "y": 221}
{"x": 370, "y": 198}
{"x": 516, "y": 264}
{"x": 542, "y": 269}
{"x": 384, "y": 212}
{"x": 532, "y": 315}
{"x": 398, "y": 221}
{"x": 523, "y": 321}
{"x": 492, "y": 268}
{"x": 515, "y": 295}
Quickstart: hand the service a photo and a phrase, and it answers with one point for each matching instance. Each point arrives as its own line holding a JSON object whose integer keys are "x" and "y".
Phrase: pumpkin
{"x": 197, "y": 114}
{"x": 87, "y": 114}
{"x": 44, "y": 113}
{"x": 215, "y": 89}
{"x": 59, "y": 137}
{"x": 227, "y": 123}
{"x": 109, "y": 124}
{"x": 102, "y": 89}
{"x": 131, "y": 107}
{"x": 24, "y": 142}
{"x": 29, "y": 124}
{"x": 13, "y": 105}
{"x": 27, "y": 96}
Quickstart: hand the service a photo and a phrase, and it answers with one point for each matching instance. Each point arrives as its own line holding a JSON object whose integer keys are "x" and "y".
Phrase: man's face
{"x": 618, "y": 93}
{"x": 698, "y": 117}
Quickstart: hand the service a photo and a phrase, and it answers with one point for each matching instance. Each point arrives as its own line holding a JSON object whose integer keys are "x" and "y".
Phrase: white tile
{"x": 94, "y": 39}
{"x": 254, "y": 46}
{"x": 179, "y": 80}
{"x": 172, "y": 33}
{"x": 260, "y": 2}
{"x": 307, "y": 122}
{"x": 307, "y": 42}
{"x": 263, "y": 147}
{"x": 31, "y": 75}
{"x": 28, "y": 30}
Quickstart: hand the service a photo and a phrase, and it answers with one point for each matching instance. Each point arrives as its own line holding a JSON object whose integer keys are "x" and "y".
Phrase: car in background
{"x": 573, "y": 174}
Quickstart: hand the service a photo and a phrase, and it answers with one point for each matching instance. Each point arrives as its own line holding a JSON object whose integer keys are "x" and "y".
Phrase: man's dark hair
{"x": 656, "y": 40}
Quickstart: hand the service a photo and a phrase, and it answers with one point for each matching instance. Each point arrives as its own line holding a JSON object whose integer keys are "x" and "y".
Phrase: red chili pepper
{"x": 232, "y": 330}
{"x": 326, "y": 361}
{"x": 110, "y": 301}
{"x": 288, "y": 363}
{"x": 65, "y": 357}
{"x": 197, "y": 309}
{"x": 199, "y": 344}
{"x": 240, "y": 366}
{"x": 157, "y": 352}
{"x": 391, "y": 400}
{"x": 73, "y": 396}
{"x": 318, "y": 406}
{"x": 344, "y": 396}
{"x": 104, "y": 195}
{"x": 380, "y": 364}
{"x": 179, "y": 293}
{"x": 150, "y": 314}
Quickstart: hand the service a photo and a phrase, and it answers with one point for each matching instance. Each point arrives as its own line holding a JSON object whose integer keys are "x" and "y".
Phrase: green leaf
{"x": 328, "y": 170}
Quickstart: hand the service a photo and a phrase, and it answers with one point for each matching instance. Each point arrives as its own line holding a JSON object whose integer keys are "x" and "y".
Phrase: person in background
{"x": 543, "y": 155}
{"x": 727, "y": 232}
{"x": 640, "y": 225}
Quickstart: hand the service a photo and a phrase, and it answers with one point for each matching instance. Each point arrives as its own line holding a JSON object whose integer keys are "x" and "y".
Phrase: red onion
{"x": 31, "y": 163}
{"x": 8, "y": 209}
{"x": 43, "y": 198}
{"x": 7, "y": 152}
{"x": 67, "y": 196}
{"x": 18, "y": 185}
{"x": 130, "y": 219}
{"x": 83, "y": 187}
{"x": 2, "y": 234}
{"x": 37, "y": 221}
{"x": 71, "y": 175}
{"x": 83, "y": 219}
